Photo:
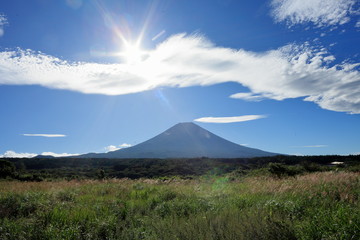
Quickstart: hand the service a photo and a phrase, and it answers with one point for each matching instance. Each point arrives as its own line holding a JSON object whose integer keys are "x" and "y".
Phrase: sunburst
{"x": 132, "y": 52}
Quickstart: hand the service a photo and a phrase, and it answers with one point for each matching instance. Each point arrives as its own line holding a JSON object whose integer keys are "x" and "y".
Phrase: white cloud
{"x": 111, "y": 148}
{"x": 357, "y": 24}
{"x": 43, "y": 135}
{"x": 229, "y": 119}
{"x": 315, "y": 146}
{"x": 59, "y": 154}
{"x": 12, "y": 154}
{"x": 181, "y": 61}
{"x": 248, "y": 97}
{"x": 319, "y": 12}
{"x": 297, "y": 154}
{"x": 312, "y": 146}
{"x": 125, "y": 145}
{"x": 3, "y": 22}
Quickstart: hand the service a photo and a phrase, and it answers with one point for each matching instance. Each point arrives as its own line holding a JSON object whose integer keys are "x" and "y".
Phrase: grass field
{"x": 323, "y": 205}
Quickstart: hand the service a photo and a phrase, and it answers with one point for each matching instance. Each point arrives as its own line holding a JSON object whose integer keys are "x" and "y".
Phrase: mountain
{"x": 184, "y": 140}
{"x": 44, "y": 156}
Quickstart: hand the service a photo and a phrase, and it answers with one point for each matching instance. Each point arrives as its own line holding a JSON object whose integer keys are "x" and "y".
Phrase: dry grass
{"x": 344, "y": 181}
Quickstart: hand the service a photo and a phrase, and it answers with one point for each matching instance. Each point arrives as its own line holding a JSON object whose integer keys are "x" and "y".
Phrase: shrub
{"x": 281, "y": 170}
{"x": 7, "y": 169}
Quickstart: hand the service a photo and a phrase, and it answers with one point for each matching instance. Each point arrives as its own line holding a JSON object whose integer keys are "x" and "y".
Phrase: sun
{"x": 132, "y": 52}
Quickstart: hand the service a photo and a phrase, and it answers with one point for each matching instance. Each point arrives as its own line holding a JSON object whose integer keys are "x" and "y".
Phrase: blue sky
{"x": 82, "y": 76}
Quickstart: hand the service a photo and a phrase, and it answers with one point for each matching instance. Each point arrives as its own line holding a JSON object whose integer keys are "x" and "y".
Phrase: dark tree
{"x": 7, "y": 169}
{"x": 277, "y": 169}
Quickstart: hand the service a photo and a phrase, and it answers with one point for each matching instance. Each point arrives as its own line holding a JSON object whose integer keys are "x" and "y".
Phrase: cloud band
{"x": 292, "y": 71}
{"x": 319, "y": 12}
{"x": 229, "y": 119}
{"x": 44, "y": 135}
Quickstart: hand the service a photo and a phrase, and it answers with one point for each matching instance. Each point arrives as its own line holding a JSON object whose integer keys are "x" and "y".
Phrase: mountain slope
{"x": 184, "y": 140}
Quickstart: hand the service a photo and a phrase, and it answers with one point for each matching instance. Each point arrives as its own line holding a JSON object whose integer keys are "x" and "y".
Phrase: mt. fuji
{"x": 184, "y": 140}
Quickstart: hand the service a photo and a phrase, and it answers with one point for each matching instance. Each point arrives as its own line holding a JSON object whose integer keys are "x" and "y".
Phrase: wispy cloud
{"x": 59, "y": 154}
{"x": 291, "y": 71}
{"x": 319, "y": 12}
{"x": 315, "y": 146}
{"x": 248, "y": 97}
{"x": 312, "y": 146}
{"x": 229, "y": 119}
{"x": 125, "y": 145}
{"x": 3, "y": 22}
{"x": 12, "y": 154}
{"x": 43, "y": 135}
{"x": 111, "y": 148}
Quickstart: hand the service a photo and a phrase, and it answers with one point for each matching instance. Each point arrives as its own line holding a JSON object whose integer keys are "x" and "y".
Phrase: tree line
{"x": 37, "y": 169}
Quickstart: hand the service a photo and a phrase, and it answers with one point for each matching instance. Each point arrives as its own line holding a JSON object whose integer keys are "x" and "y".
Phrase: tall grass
{"x": 314, "y": 206}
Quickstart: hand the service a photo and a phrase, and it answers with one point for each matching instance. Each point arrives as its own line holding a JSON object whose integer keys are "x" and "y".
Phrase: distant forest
{"x": 38, "y": 169}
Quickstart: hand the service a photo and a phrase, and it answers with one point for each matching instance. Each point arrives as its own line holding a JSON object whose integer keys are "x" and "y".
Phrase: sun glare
{"x": 132, "y": 53}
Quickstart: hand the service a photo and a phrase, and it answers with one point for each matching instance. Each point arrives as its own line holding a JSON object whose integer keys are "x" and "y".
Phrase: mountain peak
{"x": 186, "y": 140}
{"x": 184, "y": 124}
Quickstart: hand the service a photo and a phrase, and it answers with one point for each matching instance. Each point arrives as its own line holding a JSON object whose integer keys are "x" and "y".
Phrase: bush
{"x": 281, "y": 170}
{"x": 7, "y": 169}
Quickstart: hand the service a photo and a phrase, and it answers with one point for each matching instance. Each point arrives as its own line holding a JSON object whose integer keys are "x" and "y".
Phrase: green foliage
{"x": 101, "y": 174}
{"x": 7, "y": 169}
{"x": 311, "y": 206}
{"x": 34, "y": 169}
{"x": 278, "y": 169}
{"x": 281, "y": 170}
{"x": 259, "y": 198}
{"x": 21, "y": 205}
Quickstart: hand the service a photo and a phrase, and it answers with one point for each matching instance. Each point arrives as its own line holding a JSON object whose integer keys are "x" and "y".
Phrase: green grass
{"x": 313, "y": 206}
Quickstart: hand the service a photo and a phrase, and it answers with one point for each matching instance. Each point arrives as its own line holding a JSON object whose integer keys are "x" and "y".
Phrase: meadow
{"x": 319, "y": 205}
